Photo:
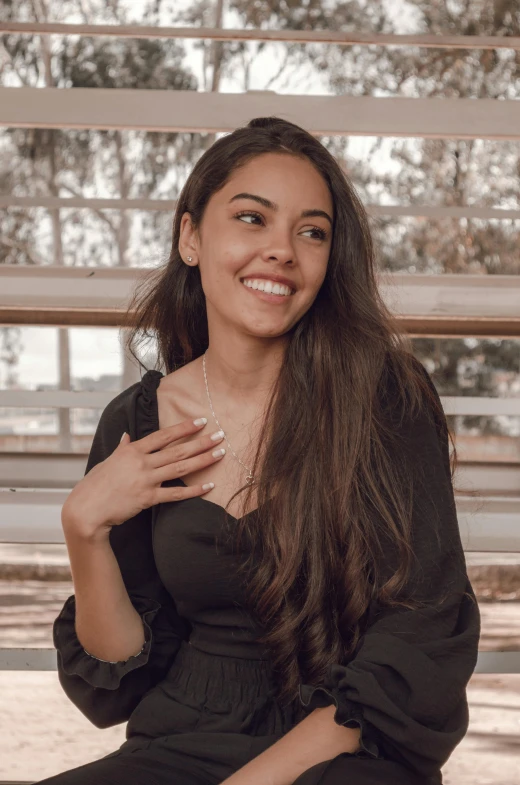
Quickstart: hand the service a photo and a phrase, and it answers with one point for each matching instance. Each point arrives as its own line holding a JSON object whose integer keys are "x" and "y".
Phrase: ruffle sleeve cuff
{"x": 348, "y": 712}
{"x": 76, "y": 661}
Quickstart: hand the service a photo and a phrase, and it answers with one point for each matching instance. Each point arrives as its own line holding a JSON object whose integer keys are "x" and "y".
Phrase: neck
{"x": 243, "y": 376}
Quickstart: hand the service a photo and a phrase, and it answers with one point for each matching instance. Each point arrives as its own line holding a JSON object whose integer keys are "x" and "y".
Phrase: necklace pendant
{"x": 250, "y": 479}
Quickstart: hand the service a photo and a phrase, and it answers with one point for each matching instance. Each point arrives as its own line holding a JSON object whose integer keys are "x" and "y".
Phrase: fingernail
{"x": 219, "y": 452}
{"x": 200, "y": 421}
{"x": 217, "y": 435}
{"x": 208, "y": 485}
{"x": 122, "y": 437}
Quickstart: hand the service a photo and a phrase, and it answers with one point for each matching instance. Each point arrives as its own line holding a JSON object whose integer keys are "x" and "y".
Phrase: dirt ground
{"x": 42, "y": 733}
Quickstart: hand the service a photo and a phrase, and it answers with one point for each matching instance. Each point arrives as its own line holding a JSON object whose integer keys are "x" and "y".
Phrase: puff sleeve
{"x": 405, "y": 686}
{"x": 107, "y": 692}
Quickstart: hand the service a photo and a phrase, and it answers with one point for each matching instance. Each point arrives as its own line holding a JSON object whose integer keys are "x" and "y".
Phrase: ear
{"x": 188, "y": 247}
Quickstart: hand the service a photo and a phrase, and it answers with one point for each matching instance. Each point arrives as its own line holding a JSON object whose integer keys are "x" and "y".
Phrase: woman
{"x": 295, "y": 609}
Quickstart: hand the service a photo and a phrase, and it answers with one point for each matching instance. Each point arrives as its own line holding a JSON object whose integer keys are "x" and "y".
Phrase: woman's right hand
{"x": 129, "y": 480}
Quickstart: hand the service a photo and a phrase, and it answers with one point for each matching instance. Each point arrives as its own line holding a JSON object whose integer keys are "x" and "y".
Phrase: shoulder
{"x": 133, "y": 410}
{"x": 184, "y": 378}
{"x": 127, "y": 410}
{"x": 405, "y": 386}
{"x": 412, "y": 412}
{"x": 181, "y": 393}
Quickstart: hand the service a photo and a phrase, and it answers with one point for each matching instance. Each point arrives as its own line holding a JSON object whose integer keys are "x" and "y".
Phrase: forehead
{"x": 286, "y": 180}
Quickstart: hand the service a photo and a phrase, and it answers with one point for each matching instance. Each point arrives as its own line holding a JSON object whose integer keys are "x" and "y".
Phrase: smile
{"x": 270, "y": 290}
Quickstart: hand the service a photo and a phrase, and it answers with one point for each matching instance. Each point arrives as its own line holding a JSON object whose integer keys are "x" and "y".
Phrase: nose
{"x": 279, "y": 246}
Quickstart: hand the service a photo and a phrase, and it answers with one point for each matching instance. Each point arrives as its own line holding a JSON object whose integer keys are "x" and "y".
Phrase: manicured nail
{"x": 217, "y": 435}
{"x": 200, "y": 421}
{"x": 122, "y": 437}
{"x": 208, "y": 486}
{"x": 219, "y": 452}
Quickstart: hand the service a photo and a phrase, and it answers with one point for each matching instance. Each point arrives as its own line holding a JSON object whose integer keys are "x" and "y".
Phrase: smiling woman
{"x": 294, "y": 607}
{"x": 279, "y": 245}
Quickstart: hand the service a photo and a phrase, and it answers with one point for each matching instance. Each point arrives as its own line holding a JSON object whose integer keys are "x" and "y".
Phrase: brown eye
{"x": 240, "y": 215}
{"x": 322, "y": 234}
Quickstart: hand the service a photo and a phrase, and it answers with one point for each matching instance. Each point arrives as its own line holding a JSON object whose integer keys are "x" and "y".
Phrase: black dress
{"x": 199, "y": 698}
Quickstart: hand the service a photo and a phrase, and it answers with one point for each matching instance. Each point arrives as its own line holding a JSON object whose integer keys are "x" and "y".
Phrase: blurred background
{"x": 445, "y": 213}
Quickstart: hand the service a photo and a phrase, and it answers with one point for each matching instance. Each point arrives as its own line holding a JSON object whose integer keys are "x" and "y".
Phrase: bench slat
{"x": 45, "y": 660}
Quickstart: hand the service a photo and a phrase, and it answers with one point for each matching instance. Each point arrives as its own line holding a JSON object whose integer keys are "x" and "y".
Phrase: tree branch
{"x": 100, "y": 214}
{"x": 22, "y": 247}
{"x": 282, "y": 68}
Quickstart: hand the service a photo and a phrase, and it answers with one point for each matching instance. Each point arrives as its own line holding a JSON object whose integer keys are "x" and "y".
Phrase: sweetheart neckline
{"x": 208, "y": 501}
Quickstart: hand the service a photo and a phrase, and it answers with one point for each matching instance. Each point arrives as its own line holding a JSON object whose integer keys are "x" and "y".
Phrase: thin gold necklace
{"x": 250, "y": 479}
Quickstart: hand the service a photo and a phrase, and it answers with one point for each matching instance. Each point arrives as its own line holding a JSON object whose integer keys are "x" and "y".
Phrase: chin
{"x": 272, "y": 333}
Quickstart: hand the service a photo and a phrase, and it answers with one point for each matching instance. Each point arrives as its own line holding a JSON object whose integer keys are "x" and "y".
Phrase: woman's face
{"x": 270, "y": 221}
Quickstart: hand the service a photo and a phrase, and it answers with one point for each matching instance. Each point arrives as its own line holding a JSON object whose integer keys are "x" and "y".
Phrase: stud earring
{"x": 189, "y": 258}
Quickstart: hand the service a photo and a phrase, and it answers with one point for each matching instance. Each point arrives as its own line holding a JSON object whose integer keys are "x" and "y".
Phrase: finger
{"x": 179, "y": 452}
{"x": 178, "y": 469}
{"x": 176, "y": 494}
{"x": 159, "y": 439}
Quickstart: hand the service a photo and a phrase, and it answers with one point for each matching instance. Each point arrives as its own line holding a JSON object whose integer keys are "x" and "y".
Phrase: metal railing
{"x": 287, "y": 36}
{"x": 189, "y": 111}
{"x": 436, "y": 305}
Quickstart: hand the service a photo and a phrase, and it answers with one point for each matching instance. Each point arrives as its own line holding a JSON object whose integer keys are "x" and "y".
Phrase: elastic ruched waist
{"x": 210, "y": 693}
{"x": 214, "y": 677}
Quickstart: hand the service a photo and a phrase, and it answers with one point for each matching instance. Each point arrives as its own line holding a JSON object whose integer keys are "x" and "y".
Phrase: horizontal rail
{"x": 31, "y": 516}
{"x": 169, "y": 205}
{"x": 95, "y": 399}
{"x": 34, "y": 516}
{"x": 414, "y": 326}
{"x": 424, "y": 40}
{"x": 447, "y": 304}
{"x": 45, "y": 660}
{"x": 28, "y": 659}
{"x": 17, "y": 782}
{"x": 189, "y": 111}
{"x": 42, "y": 470}
{"x": 489, "y": 524}
{"x": 488, "y": 479}
{"x": 55, "y": 470}
{"x": 480, "y": 407}
{"x": 63, "y": 399}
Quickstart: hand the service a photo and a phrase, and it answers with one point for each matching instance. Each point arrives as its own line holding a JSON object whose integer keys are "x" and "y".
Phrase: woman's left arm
{"x": 315, "y": 739}
{"x": 402, "y": 696}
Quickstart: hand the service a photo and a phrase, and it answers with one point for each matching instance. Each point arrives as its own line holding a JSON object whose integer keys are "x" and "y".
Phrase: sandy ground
{"x": 42, "y": 733}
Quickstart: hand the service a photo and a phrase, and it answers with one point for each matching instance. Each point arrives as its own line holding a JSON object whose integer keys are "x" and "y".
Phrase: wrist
{"x": 76, "y": 529}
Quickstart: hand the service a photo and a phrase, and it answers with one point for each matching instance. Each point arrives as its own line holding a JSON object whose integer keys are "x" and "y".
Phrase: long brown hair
{"x": 333, "y": 501}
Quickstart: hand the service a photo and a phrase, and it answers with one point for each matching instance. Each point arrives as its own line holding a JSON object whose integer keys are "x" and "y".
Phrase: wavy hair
{"x": 333, "y": 500}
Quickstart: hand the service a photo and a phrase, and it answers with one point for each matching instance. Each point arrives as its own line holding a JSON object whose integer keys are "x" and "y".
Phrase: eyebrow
{"x": 272, "y": 206}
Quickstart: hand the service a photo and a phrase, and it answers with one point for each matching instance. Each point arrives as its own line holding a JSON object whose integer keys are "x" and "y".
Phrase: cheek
{"x": 230, "y": 266}
{"x": 315, "y": 277}
{"x": 220, "y": 273}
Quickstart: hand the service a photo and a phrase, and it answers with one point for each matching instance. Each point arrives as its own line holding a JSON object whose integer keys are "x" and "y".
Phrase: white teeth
{"x": 270, "y": 287}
